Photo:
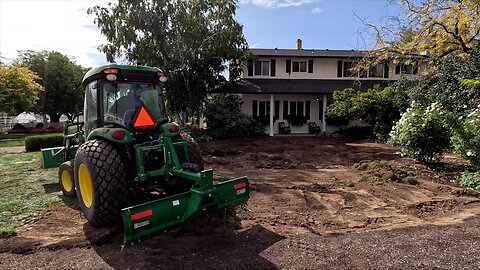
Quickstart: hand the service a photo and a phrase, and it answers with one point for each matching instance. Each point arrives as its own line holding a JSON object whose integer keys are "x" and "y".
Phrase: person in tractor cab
{"x": 124, "y": 107}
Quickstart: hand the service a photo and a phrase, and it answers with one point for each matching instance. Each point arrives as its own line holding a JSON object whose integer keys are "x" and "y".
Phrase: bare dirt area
{"x": 316, "y": 203}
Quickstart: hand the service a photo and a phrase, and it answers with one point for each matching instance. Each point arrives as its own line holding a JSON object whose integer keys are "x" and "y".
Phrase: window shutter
{"x": 254, "y": 109}
{"x": 258, "y": 67}
{"x": 339, "y": 68}
{"x": 276, "y": 116}
{"x": 307, "y": 109}
{"x": 386, "y": 69}
{"x": 397, "y": 69}
{"x": 288, "y": 66}
{"x": 250, "y": 68}
{"x": 272, "y": 67}
{"x": 285, "y": 110}
{"x": 310, "y": 66}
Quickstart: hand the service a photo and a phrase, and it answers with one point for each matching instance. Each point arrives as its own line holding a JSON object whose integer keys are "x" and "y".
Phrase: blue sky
{"x": 64, "y": 26}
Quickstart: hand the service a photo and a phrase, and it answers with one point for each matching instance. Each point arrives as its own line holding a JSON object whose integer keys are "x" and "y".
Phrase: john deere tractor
{"x": 126, "y": 160}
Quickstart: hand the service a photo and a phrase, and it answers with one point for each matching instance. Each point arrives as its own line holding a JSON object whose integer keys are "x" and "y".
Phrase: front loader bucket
{"x": 152, "y": 217}
{"x": 52, "y": 157}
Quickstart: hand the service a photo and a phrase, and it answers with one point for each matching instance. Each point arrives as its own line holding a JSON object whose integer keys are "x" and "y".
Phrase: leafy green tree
{"x": 225, "y": 119}
{"x": 379, "y": 107}
{"x": 426, "y": 30}
{"x": 61, "y": 78}
{"x": 192, "y": 41}
{"x": 447, "y": 85}
{"x": 19, "y": 90}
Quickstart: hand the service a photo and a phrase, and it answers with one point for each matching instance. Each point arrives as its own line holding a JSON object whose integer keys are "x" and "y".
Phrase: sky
{"x": 65, "y": 26}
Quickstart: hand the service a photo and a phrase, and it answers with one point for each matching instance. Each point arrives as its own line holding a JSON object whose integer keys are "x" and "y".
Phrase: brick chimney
{"x": 299, "y": 44}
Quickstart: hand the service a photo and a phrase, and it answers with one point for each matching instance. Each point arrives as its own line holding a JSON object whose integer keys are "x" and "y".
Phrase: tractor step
{"x": 149, "y": 218}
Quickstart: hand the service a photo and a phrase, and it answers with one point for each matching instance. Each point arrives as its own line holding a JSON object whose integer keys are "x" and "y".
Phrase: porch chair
{"x": 313, "y": 128}
{"x": 283, "y": 128}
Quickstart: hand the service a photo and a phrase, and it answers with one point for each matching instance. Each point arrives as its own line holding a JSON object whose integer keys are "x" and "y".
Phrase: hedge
{"x": 35, "y": 143}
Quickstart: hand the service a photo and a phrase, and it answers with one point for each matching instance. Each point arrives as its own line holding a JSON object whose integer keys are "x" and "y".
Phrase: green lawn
{"x": 18, "y": 139}
{"x": 26, "y": 190}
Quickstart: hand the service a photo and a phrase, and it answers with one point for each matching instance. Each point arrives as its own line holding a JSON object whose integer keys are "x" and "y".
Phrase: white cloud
{"x": 317, "y": 10}
{"x": 62, "y": 26}
{"x": 277, "y": 3}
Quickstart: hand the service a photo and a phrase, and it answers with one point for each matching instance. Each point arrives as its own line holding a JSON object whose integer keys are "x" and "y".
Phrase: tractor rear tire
{"x": 194, "y": 154}
{"x": 101, "y": 182}
{"x": 65, "y": 179}
{"x": 195, "y": 164}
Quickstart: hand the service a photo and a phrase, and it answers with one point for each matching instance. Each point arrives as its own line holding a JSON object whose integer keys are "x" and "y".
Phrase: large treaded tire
{"x": 65, "y": 179}
{"x": 108, "y": 179}
{"x": 193, "y": 151}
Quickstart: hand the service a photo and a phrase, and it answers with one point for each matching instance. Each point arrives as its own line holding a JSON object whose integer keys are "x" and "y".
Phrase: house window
{"x": 262, "y": 68}
{"x": 261, "y": 111}
{"x": 406, "y": 69}
{"x": 299, "y": 66}
{"x": 348, "y": 69}
{"x": 376, "y": 71}
{"x": 295, "y": 108}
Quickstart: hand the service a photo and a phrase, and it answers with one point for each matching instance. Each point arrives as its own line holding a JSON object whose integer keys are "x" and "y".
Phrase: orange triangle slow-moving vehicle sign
{"x": 143, "y": 118}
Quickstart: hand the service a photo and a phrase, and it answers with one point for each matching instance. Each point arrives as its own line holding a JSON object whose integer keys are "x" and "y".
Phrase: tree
{"x": 224, "y": 118}
{"x": 428, "y": 29}
{"x": 61, "y": 78}
{"x": 18, "y": 90}
{"x": 379, "y": 107}
{"x": 192, "y": 41}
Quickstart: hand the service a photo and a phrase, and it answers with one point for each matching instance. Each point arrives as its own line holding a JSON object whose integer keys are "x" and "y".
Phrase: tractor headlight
{"x": 111, "y": 77}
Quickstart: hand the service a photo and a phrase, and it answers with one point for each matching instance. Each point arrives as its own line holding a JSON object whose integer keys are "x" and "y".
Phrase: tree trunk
{"x": 54, "y": 117}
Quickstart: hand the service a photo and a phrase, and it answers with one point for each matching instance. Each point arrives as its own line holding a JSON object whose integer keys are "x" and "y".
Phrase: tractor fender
{"x": 108, "y": 134}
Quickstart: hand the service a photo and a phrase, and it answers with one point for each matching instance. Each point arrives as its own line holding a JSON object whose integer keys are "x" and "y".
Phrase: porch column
{"x": 271, "y": 114}
{"x": 324, "y": 122}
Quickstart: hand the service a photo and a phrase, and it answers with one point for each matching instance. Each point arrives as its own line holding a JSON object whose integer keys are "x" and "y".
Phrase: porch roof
{"x": 305, "y": 86}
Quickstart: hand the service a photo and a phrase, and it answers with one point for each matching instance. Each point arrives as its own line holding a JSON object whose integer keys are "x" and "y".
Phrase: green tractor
{"x": 125, "y": 159}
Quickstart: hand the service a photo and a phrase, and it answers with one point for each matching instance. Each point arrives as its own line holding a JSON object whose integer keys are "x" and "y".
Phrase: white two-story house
{"x": 281, "y": 83}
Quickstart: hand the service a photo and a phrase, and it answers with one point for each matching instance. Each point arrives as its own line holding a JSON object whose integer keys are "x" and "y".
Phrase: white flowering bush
{"x": 470, "y": 180}
{"x": 466, "y": 137}
{"x": 423, "y": 133}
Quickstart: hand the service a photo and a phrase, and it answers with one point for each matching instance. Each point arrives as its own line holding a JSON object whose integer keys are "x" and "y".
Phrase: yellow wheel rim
{"x": 85, "y": 183}
{"x": 67, "y": 181}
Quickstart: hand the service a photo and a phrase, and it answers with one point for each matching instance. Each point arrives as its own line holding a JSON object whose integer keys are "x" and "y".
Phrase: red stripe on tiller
{"x": 240, "y": 185}
{"x": 141, "y": 215}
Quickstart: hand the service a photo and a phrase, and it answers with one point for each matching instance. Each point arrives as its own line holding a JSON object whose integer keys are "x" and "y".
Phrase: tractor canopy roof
{"x": 98, "y": 70}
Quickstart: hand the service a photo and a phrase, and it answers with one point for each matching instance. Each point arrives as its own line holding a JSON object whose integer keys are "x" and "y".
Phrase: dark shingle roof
{"x": 310, "y": 53}
{"x": 285, "y": 86}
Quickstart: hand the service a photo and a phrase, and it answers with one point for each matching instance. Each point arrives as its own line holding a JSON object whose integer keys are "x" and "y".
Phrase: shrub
{"x": 35, "y": 143}
{"x": 18, "y": 126}
{"x": 297, "y": 120}
{"x": 225, "y": 120}
{"x": 357, "y": 132}
{"x": 466, "y": 137}
{"x": 470, "y": 180}
{"x": 423, "y": 133}
{"x": 379, "y": 107}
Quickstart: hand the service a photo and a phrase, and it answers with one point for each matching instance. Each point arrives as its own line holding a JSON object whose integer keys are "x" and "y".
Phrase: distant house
{"x": 284, "y": 84}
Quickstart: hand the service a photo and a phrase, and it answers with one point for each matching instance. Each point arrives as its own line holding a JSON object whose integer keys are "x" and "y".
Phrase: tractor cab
{"x": 127, "y": 97}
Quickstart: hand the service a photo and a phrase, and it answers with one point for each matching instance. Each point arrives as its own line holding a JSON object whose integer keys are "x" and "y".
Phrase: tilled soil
{"x": 316, "y": 203}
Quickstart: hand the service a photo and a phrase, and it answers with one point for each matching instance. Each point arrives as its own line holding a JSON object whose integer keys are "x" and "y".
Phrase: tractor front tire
{"x": 101, "y": 182}
{"x": 65, "y": 179}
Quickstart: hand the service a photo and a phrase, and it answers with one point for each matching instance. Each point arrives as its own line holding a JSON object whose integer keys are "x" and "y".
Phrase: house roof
{"x": 285, "y": 86}
{"x": 310, "y": 53}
